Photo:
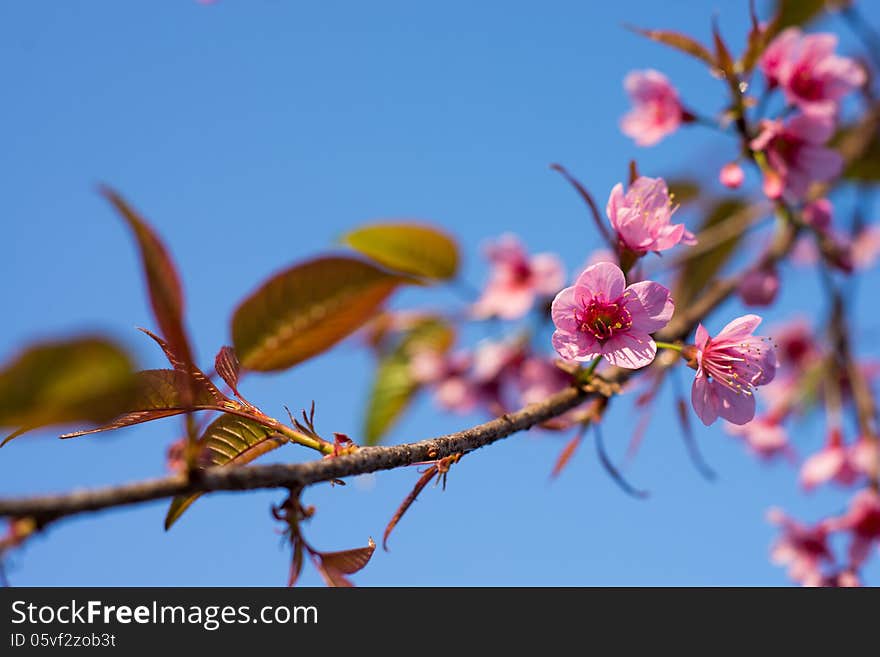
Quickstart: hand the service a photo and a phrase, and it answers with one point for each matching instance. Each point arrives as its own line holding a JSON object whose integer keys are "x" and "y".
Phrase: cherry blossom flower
{"x": 759, "y": 287}
{"x": 801, "y": 548}
{"x": 731, "y": 175}
{"x": 765, "y": 436}
{"x": 599, "y": 316}
{"x": 449, "y": 376}
{"x": 641, "y": 217}
{"x": 810, "y": 74}
{"x": 517, "y": 280}
{"x": 819, "y": 214}
{"x": 657, "y": 111}
{"x": 865, "y": 247}
{"x": 862, "y": 520}
{"x": 832, "y": 463}
{"x": 865, "y": 456}
{"x": 729, "y": 367}
{"x": 796, "y": 155}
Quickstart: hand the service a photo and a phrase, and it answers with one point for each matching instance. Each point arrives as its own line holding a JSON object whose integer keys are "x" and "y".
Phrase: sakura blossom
{"x": 765, "y": 436}
{"x": 862, "y": 521}
{"x": 795, "y": 153}
{"x": 600, "y": 316}
{"x": 833, "y": 462}
{"x": 809, "y": 72}
{"x": 729, "y": 368}
{"x": 802, "y": 548}
{"x": 517, "y": 280}
{"x": 642, "y": 217}
{"x": 759, "y": 287}
{"x": 731, "y": 175}
{"x": 657, "y": 110}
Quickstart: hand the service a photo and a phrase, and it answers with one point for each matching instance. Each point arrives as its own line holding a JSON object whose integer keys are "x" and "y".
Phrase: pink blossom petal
{"x": 604, "y": 280}
{"x": 630, "y": 350}
{"x": 704, "y": 400}
{"x": 739, "y": 329}
{"x": 651, "y": 306}
{"x": 734, "y": 406}
{"x": 577, "y": 346}
{"x": 822, "y": 467}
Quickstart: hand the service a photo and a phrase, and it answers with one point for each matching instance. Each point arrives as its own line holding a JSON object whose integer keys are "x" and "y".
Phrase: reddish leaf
{"x": 722, "y": 53}
{"x": 296, "y": 563}
{"x": 201, "y": 383}
{"x": 566, "y": 454}
{"x": 163, "y": 282}
{"x": 680, "y": 42}
{"x": 348, "y": 562}
{"x": 160, "y": 394}
{"x": 633, "y": 172}
{"x": 307, "y": 309}
{"x": 227, "y": 366}
{"x": 332, "y": 576}
{"x": 423, "y": 481}
{"x": 590, "y": 201}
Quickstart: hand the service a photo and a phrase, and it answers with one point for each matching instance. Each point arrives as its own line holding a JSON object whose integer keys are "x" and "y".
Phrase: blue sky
{"x": 252, "y": 134}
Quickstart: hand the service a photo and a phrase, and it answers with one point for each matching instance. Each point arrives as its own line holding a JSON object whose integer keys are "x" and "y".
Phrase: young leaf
{"x": 333, "y": 566}
{"x": 307, "y": 309}
{"x": 160, "y": 394}
{"x": 681, "y": 42}
{"x": 195, "y": 376}
{"x": 722, "y": 54}
{"x": 228, "y": 441}
{"x": 409, "y": 248}
{"x": 227, "y": 366}
{"x": 87, "y": 379}
{"x": 394, "y": 385}
{"x": 163, "y": 282}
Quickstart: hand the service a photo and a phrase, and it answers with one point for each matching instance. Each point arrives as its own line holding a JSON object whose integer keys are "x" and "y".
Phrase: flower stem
{"x": 668, "y": 345}
{"x": 592, "y": 368}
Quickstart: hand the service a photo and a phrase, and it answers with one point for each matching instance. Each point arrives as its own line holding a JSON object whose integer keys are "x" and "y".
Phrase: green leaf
{"x": 680, "y": 42}
{"x": 228, "y": 441}
{"x": 163, "y": 282}
{"x": 698, "y": 272}
{"x": 866, "y": 167}
{"x": 307, "y": 309}
{"x": 394, "y": 386}
{"x": 87, "y": 379}
{"x": 409, "y": 248}
{"x": 796, "y": 13}
{"x": 160, "y": 394}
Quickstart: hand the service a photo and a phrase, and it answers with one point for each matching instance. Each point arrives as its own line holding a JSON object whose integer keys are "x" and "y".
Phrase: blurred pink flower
{"x": 865, "y": 247}
{"x": 862, "y": 520}
{"x": 831, "y": 463}
{"x": 796, "y": 155}
{"x": 729, "y": 367}
{"x": 810, "y": 74}
{"x": 642, "y": 217}
{"x": 819, "y": 214}
{"x": 801, "y": 548}
{"x": 599, "y": 316}
{"x": 731, "y": 175}
{"x": 764, "y": 435}
{"x": 517, "y": 279}
{"x": 449, "y": 376}
{"x": 759, "y": 287}
{"x": 656, "y": 112}
{"x": 865, "y": 456}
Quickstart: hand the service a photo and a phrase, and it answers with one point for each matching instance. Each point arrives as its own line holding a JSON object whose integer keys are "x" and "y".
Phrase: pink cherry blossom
{"x": 803, "y": 549}
{"x": 731, "y": 175}
{"x": 819, "y": 214}
{"x": 517, "y": 280}
{"x": 865, "y": 247}
{"x": 796, "y": 155}
{"x": 449, "y": 376}
{"x": 599, "y": 316}
{"x": 810, "y": 74}
{"x": 759, "y": 287}
{"x": 656, "y": 112}
{"x": 729, "y": 367}
{"x": 862, "y": 520}
{"x": 865, "y": 456}
{"x": 765, "y": 436}
{"x": 832, "y": 463}
{"x": 642, "y": 217}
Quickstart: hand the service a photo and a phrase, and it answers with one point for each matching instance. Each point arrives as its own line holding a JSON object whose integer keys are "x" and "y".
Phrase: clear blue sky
{"x": 252, "y": 134}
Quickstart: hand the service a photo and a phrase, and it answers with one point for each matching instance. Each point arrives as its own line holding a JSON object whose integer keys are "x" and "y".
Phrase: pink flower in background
{"x": 810, "y": 74}
{"x": 517, "y": 279}
{"x": 759, "y": 287}
{"x": 862, "y": 520}
{"x": 795, "y": 342}
{"x": 832, "y": 463}
{"x": 656, "y": 112}
{"x": 729, "y": 367}
{"x": 865, "y": 456}
{"x": 765, "y": 437}
{"x": 599, "y": 316}
{"x": 801, "y": 548}
{"x": 865, "y": 247}
{"x": 796, "y": 155}
{"x": 777, "y": 54}
{"x": 448, "y": 374}
{"x": 642, "y": 217}
{"x": 731, "y": 175}
{"x": 819, "y": 214}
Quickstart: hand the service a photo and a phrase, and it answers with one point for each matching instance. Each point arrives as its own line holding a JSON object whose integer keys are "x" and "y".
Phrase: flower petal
{"x": 604, "y": 279}
{"x": 650, "y": 306}
{"x": 630, "y": 350}
{"x": 704, "y": 400}
{"x": 575, "y": 346}
{"x": 738, "y": 329}
{"x": 735, "y": 407}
